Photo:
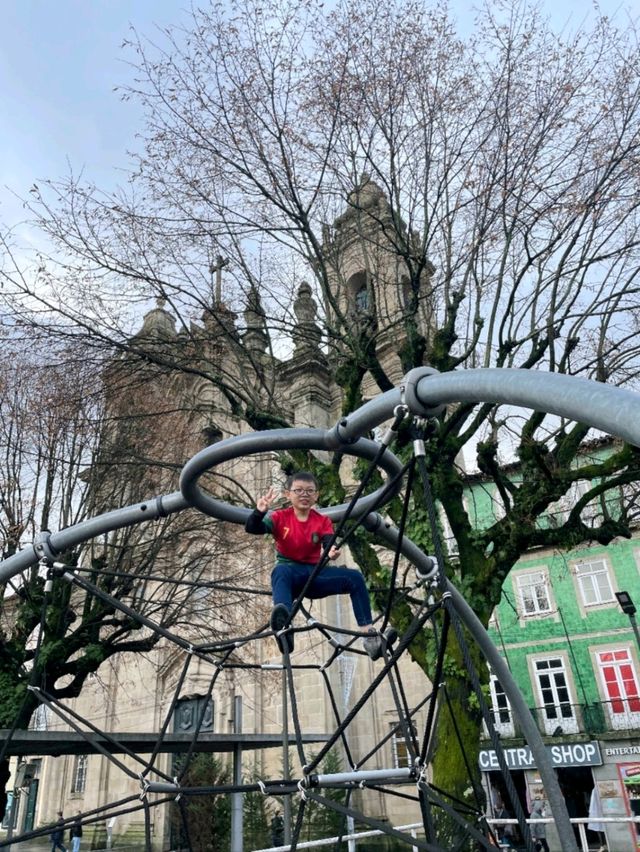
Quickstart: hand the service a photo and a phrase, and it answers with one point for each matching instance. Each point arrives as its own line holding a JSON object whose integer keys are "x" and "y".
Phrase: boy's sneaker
{"x": 375, "y": 643}
{"x": 279, "y": 618}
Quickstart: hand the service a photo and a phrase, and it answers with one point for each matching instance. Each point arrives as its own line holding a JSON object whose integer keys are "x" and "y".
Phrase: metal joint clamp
{"x": 409, "y": 396}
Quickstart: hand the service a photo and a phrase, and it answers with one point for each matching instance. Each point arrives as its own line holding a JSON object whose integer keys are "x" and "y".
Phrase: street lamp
{"x": 628, "y": 607}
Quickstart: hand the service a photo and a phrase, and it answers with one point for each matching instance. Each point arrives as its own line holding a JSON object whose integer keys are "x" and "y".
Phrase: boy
{"x": 300, "y": 533}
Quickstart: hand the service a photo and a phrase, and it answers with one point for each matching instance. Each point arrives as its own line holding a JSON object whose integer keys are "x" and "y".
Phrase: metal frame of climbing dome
{"x": 422, "y": 393}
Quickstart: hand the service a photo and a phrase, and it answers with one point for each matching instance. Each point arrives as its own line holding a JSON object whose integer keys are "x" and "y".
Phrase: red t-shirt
{"x": 295, "y": 540}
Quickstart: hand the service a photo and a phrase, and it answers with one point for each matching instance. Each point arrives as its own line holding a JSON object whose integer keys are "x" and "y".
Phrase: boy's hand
{"x": 263, "y": 503}
{"x": 334, "y": 552}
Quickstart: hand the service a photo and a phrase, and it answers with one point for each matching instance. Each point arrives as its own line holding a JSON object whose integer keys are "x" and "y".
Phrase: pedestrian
{"x": 277, "y": 830}
{"x": 594, "y": 824}
{"x": 300, "y": 533}
{"x": 506, "y": 833}
{"x": 76, "y": 834}
{"x": 57, "y": 835}
{"x": 539, "y": 829}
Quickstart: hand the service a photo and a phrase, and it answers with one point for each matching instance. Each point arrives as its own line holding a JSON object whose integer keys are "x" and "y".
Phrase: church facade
{"x": 178, "y": 413}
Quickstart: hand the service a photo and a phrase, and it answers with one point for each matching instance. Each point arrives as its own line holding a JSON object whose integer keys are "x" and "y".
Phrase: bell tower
{"x": 368, "y": 277}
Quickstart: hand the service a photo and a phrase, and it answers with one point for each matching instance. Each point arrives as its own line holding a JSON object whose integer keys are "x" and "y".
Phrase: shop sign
{"x": 561, "y": 754}
{"x": 622, "y": 751}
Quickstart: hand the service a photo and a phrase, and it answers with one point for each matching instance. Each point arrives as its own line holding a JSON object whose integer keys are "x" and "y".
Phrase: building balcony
{"x": 562, "y": 719}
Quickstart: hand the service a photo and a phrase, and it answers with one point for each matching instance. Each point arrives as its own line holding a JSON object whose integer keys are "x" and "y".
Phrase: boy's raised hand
{"x": 263, "y": 503}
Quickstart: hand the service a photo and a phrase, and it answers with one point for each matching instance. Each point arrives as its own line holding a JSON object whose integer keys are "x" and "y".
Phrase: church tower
{"x": 174, "y": 394}
{"x": 368, "y": 275}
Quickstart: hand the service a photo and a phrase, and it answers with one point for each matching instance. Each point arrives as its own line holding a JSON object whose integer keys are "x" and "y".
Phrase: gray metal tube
{"x": 525, "y": 719}
{"x": 286, "y": 800}
{"x": 612, "y": 409}
{"x": 237, "y": 798}
{"x": 605, "y": 407}
{"x": 357, "y": 776}
{"x": 376, "y": 524}
{"x": 58, "y": 542}
{"x": 236, "y": 802}
{"x": 368, "y": 416}
{"x": 278, "y": 440}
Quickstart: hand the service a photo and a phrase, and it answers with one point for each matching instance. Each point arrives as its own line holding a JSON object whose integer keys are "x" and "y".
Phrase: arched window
{"x": 211, "y": 434}
{"x": 79, "y": 774}
{"x": 359, "y": 294}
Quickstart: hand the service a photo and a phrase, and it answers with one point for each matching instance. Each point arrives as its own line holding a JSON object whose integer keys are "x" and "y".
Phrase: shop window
{"x": 10, "y": 818}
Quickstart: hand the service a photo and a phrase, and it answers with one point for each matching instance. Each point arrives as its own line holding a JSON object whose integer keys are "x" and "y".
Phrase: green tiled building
{"x": 576, "y": 658}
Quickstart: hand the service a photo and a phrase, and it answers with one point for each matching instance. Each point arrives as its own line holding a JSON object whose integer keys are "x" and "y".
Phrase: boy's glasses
{"x": 303, "y": 492}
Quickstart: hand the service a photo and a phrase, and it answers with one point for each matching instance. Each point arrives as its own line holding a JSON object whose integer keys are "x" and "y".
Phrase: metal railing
{"x": 580, "y": 822}
{"x": 417, "y": 828}
{"x": 598, "y": 717}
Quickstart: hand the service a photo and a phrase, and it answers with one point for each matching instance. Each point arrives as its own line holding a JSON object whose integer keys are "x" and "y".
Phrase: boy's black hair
{"x": 300, "y": 476}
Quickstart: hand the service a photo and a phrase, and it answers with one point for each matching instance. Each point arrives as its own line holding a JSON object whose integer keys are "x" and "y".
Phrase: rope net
{"x": 447, "y": 821}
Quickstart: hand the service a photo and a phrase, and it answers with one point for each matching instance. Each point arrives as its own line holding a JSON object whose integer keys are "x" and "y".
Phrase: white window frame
{"x": 558, "y": 512}
{"x": 587, "y": 574}
{"x": 399, "y": 750}
{"x": 449, "y": 540}
{"x": 79, "y": 774}
{"x": 497, "y": 505}
{"x": 523, "y": 582}
{"x": 40, "y": 719}
{"x": 559, "y": 717}
{"x": 591, "y": 512}
{"x": 450, "y": 543}
{"x": 502, "y": 715}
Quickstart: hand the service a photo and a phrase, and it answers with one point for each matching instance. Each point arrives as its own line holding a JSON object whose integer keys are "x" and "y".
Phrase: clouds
{"x": 58, "y": 68}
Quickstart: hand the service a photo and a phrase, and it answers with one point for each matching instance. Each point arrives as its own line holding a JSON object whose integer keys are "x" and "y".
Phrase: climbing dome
{"x": 435, "y": 604}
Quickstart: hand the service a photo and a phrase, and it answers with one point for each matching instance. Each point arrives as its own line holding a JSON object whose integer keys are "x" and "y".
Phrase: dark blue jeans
{"x": 288, "y": 579}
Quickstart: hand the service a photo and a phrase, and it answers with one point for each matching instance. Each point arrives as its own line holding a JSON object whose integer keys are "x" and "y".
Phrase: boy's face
{"x": 302, "y": 494}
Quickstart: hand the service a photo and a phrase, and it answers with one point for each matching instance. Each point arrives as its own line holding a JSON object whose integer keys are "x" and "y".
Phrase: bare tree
{"x": 69, "y": 453}
{"x": 501, "y": 173}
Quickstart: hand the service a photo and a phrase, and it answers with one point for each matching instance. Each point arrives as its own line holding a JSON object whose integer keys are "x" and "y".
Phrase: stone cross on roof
{"x": 217, "y": 267}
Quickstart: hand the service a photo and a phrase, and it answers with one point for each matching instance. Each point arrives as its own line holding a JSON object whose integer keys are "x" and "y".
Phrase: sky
{"x": 59, "y": 64}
